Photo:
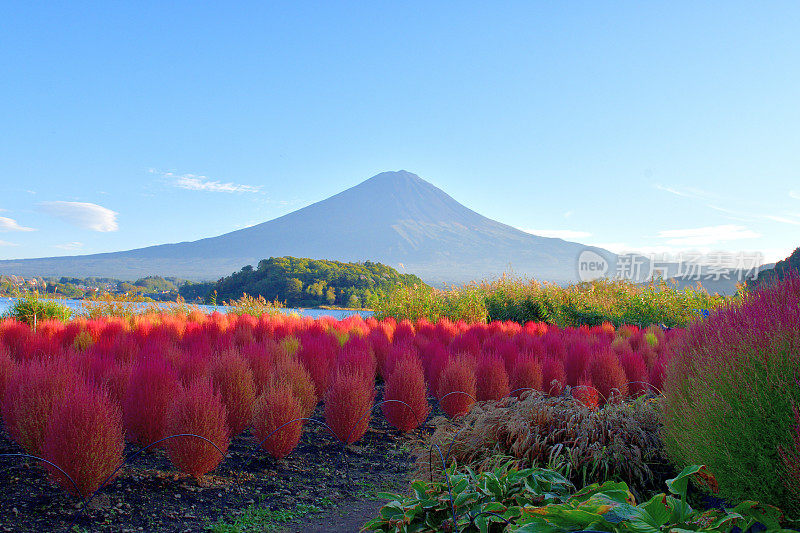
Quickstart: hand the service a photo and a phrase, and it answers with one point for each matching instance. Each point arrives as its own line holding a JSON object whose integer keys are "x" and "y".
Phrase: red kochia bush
{"x": 259, "y": 357}
{"x": 317, "y": 353}
{"x": 527, "y": 374}
{"x": 553, "y": 376}
{"x": 294, "y": 374}
{"x": 348, "y": 402}
{"x": 33, "y": 389}
{"x": 193, "y": 366}
{"x": 636, "y": 373}
{"x": 84, "y": 437}
{"x": 577, "y": 359}
{"x": 491, "y": 379}
{"x": 152, "y": 387}
{"x": 6, "y": 367}
{"x": 406, "y": 384}
{"x": 274, "y": 408}
{"x": 607, "y": 375}
{"x": 198, "y": 410}
{"x": 233, "y": 379}
{"x": 457, "y": 378}
{"x": 585, "y": 392}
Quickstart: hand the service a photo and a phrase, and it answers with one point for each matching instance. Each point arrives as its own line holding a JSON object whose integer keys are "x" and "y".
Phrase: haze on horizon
{"x": 651, "y": 128}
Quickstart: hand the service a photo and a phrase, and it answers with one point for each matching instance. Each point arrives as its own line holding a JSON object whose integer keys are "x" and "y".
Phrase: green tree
{"x": 330, "y": 296}
{"x": 353, "y": 301}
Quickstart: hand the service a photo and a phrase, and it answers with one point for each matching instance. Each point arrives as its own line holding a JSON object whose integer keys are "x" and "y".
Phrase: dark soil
{"x": 150, "y": 495}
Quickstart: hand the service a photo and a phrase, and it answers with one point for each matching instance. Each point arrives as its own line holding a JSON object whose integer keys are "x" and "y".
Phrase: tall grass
{"x": 520, "y": 300}
{"x": 420, "y": 301}
{"x": 732, "y": 392}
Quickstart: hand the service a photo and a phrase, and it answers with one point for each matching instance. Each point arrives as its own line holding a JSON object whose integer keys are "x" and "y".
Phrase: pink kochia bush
{"x": 348, "y": 403}
{"x": 84, "y": 438}
{"x": 233, "y": 379}
{"x": 406, "y": 384}
{"x": 554, "y": 377}
{"x": 272, "y": 420}
{"x": 33, "y": 389}
{"x": 152, "y": 387}
{"x": 527, "y": 374}
{"x": 456, "y": 391}
{"x": 197, "y": 410}
{"x": 608, "y": 376}
{"x": 491, "y": 379}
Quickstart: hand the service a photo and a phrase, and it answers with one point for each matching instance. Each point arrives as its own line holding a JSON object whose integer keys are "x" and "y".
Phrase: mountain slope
{"x": 396, "y": 218}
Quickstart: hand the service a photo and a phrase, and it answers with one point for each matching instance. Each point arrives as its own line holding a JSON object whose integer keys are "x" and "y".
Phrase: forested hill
{"x": 304, "y": 282}
{"x": 781, "y": 269}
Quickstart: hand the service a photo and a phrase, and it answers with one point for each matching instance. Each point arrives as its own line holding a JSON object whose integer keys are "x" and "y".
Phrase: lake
{"x": 339, "y": 314}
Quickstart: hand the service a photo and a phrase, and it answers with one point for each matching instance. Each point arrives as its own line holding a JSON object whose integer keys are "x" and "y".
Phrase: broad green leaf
{"x": 680, "y": 484}
{"x": 766, "y": 514}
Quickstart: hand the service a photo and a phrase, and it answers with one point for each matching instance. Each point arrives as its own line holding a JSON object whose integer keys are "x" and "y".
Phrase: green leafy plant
{"x": 539, "y": 501}
{"x": 610, "y": 507}
{"x": 468, "y": 501}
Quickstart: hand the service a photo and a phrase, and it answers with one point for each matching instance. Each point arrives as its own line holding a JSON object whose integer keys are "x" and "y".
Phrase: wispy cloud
{"x": 688, "y": 192}
{"x": 6, "y": 243}
{"x": 70, "y": 245}
{"x": 707, "y": 235}
{"x": 558, "y": 233}
{"x": 795, "y": 194}
{"x": 195, "y": 182}
{"x": 783, "y": 220}
{"x": 9, "y": 224}
{"x": 83, "y": 214}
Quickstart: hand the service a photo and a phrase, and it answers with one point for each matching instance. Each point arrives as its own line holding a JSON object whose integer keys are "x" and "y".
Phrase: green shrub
{"x": 731, "y": 393}
{"x": 31, "y": 309}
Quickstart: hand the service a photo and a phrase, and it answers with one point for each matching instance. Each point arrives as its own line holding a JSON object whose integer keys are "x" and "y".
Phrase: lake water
{"x": 339, "y": 314}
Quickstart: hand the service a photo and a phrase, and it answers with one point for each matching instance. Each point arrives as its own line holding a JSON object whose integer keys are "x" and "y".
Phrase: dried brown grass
{"x": 621, "y": 442}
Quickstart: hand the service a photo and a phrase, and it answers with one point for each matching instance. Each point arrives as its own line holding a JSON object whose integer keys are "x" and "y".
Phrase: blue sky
{"x": 648, "y": 126}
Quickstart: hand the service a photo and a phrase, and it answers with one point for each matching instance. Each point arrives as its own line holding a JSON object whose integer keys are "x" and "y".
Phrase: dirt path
{"x": 347, "y": 518}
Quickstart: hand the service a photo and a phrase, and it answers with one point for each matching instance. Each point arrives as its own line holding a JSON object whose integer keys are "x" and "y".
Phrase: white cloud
{"x": 194, "y": 182}
{"x": 6, "y": 243}
{"x": 795, "y": 194}
{"x": 70, "y": 245}
{"x": 9, "y": 224}
{"x": 83, "y": 214}
{"x": 707, "y": 235}
{"x": 558, "y": 233}
{"x": 782, "y": 220}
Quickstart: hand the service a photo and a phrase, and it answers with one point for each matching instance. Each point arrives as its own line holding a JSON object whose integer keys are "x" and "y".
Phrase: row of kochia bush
{"x": 73, "y": 392}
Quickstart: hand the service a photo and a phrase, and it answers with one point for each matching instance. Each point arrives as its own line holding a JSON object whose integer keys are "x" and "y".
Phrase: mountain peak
{"x": 394, "y": 177}
{"x": 394, "y": 217}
